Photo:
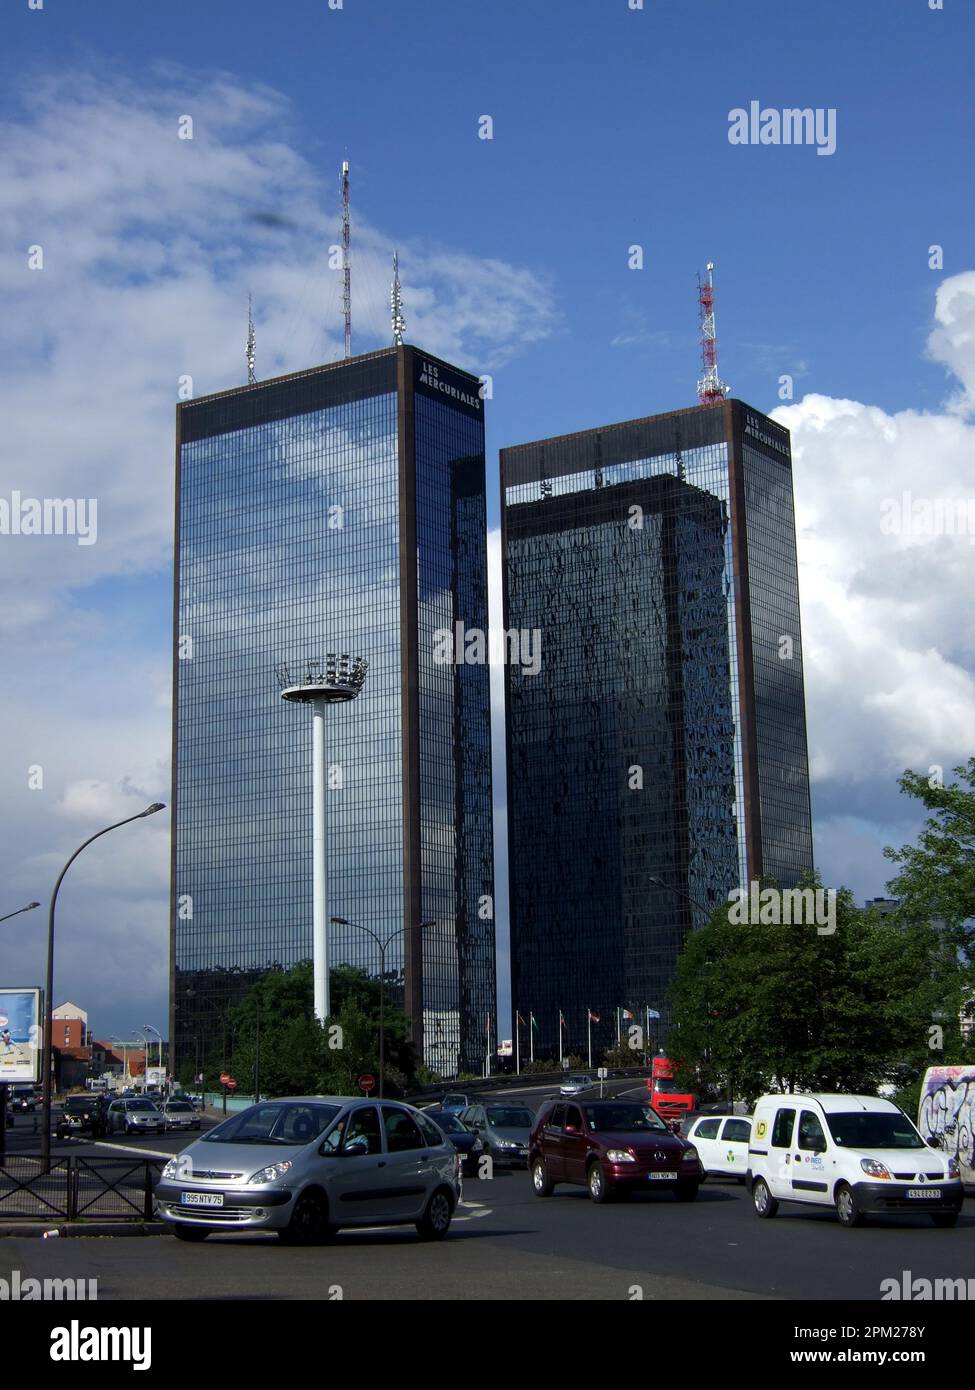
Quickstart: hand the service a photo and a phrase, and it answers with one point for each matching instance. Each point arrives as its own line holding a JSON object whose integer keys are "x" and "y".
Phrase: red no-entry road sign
{"x": 367, "y": 1083}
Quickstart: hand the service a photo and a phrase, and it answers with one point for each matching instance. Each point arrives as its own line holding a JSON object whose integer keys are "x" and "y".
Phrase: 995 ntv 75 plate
{"x": 201, "y": 1199}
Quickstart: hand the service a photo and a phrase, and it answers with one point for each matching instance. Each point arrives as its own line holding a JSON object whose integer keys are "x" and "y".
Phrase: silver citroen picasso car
{"x": 306, "y": 1166}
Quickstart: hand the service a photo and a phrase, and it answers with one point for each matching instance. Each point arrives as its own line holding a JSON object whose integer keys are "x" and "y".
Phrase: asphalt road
{"x": 506, "y": 1243}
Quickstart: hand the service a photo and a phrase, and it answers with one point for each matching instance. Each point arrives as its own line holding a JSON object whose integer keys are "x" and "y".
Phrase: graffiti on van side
{"x": 948, "y": 1110}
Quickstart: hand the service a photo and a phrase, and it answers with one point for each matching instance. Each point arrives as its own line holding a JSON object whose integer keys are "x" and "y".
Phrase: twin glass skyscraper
{"x": 658, "y": 758}
{"x": 340, "y": 509}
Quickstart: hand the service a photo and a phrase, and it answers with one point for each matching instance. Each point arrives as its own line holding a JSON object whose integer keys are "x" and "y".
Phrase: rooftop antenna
{"x": 346, "y": 267}
{"x": 251, "y": 343}
{"x": 710, "y": 388}
{"x": 396, "y": 304}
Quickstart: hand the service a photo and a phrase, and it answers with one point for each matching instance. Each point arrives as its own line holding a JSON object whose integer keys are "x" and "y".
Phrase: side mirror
{"x": 934, "y": 1141}
{"x": 571, "y": 1129}
{"x": 357, "y": 1147}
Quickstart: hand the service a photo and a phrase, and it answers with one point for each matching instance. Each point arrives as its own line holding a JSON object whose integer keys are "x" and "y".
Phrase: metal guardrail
{"x": 77, "y": 1189}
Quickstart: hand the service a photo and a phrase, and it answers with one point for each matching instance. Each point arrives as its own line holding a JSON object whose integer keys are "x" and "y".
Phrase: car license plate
{"x": 201, "y": 1199}
{"x": 669, "y": 1177}
{"x": 923, "y": 1192}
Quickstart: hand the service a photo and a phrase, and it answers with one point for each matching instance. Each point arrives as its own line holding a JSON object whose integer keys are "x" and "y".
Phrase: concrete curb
{"x": 39, "y": 1229}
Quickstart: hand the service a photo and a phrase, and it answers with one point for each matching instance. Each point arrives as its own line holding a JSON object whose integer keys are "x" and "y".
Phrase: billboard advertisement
{"x": 21, "y": 1035}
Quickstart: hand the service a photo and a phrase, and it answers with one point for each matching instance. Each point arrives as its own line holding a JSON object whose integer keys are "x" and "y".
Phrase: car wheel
{"x": 686, "y": 1191}
{"x": 309, "y": 1220}
{"x": 541, "y": 1181}
{"x": 435, "y": 1221}
{"x": 945, "y": 1219}
{"x": 765, "y": 1204}
{"x": 190, "y": 1233}
{"x": 599, "y": 1189}
{"x": 847, "y": 1208}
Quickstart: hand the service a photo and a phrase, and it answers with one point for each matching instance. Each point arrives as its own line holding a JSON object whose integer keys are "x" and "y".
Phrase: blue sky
{"x": 610, "y": 129}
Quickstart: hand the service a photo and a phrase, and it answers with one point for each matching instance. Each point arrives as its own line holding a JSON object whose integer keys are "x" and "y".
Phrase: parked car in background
{"x": 722, "y": 1143}
{"x": 612, "y": 1147}
{"x": 179, "y": 1114}
{"x": 310, "y": 1165}
{"x": 138, "y": 1116}
{"x": 454, "y": 1104}
{"x": 462, "y": 1137}
{"x": 857, "y": 1154}
{"x": 503, "y": 1130}
{"x": 575, "y": 1084}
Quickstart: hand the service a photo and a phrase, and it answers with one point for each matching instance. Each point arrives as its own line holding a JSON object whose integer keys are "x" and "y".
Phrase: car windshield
{"x": 580, "y": 1080}
{"x": 626, "y": 1118}
{"x": 455, "y": 1100}
{"x": 178, "y": 1105}
{"x": 448, "y": 1123}
{"x": 510, "y": 1117}
{"x": 664, "y": 1085}
{"x": 274, "y": 1124}
{"x": 141, "y": 1105}
{"x": 78, "y": 1103}
{"x": 874, "y": 1129}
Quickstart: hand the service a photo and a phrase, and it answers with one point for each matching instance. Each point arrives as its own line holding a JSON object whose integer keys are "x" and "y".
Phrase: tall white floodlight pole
{"x": 334, "y": 682}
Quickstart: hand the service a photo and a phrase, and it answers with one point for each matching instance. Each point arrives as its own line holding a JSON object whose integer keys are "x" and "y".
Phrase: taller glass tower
{"x": 340, "y": 509}
{"x": 658, "y": 759}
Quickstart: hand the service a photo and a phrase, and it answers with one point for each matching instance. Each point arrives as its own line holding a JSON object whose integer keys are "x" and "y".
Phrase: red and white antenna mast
{"x": 710, "y": 388}
{"x": 346, "y": 266}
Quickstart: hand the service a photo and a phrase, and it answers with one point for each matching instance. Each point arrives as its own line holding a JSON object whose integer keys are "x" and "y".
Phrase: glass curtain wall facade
{"x": 665, "y": 734}
{"x": 313, "y": 517}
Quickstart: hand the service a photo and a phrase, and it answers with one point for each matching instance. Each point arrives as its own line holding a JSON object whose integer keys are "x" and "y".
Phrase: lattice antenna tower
{"x": 710, "y": 388}
{"x": 396, "y": 304}
{"x": 346, "y": 262}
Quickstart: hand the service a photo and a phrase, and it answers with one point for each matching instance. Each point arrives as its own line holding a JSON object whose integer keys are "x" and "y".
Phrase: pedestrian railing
{"x": 77, "y": 1189}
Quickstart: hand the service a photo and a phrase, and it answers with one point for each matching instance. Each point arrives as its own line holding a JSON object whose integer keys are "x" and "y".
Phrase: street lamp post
{"x": 337, "y": 682}
{"x": 145, "y": 1068}
{"x": 49, "y": 978}
{"x": 344, "y": 922}
{"x": 114, "y": 1037}
{"x": 149, "y": 1029}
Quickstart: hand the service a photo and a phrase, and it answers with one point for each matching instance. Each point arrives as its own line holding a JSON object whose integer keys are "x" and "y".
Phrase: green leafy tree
{"x": 768, "y": 1007}
{"x": 936, "y": 877}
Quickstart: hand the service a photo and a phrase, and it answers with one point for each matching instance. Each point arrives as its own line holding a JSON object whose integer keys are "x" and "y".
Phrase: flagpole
{"x": 531, "y": 1036}
{"x": 589, "y": 1035}
{"x": 517, "y": 1043}
{"x": 619, "y": 1031}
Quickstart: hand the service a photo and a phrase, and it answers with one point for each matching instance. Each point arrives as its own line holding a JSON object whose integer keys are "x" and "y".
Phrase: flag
{"x": 534, "y": 1020}
{"x": 518, "y": 1018}
{"x": 561, "y": 1019}
{"x": 593, "y": 1018}
{"x": 627, "y": 1013}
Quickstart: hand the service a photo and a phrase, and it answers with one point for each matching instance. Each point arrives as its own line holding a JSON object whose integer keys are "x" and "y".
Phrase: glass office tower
{"x": 658, "y": 759}
{"x": 340, "y": 509}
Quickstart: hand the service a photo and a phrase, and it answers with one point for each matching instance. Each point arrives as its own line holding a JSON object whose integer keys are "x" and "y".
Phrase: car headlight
{"x": 875, "y": 1168}
{"x": 953, "y": 1169}
{"x": 272, "y": 1172}
{"x": 507, "y": 1144}
{"x": 620, "y": 1156}
{"x": 171, "y": 1169}
{"x": 689, "y": 1155}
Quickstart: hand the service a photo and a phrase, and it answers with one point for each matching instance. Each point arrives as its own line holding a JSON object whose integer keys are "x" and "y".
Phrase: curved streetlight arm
{"x": 49, "y": 976}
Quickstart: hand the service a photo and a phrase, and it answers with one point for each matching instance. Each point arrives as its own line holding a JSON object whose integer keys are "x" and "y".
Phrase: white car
{"x": 575, "y": 1084}
{"x": 856, "y": 1154}
{"x": 722, "y": 1143}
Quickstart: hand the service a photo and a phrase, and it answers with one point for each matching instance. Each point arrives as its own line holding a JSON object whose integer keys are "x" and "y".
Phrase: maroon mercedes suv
{"x": 613, "y": 1147}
